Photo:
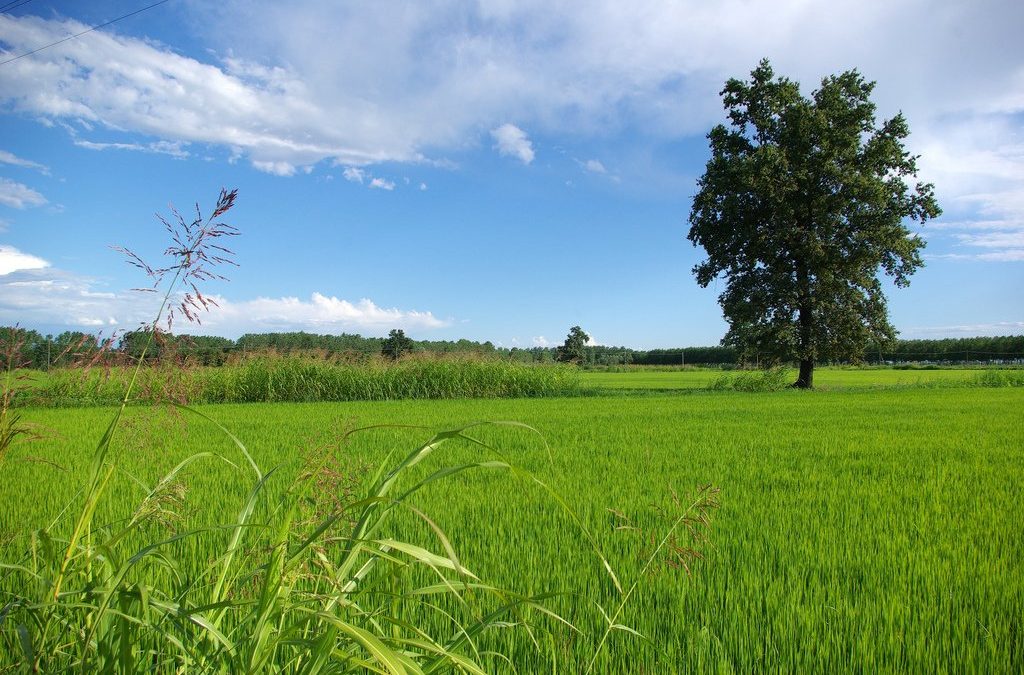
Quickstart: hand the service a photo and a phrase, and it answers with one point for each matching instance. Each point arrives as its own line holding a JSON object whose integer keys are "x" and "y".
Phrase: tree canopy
{"x": 396, "y": 344}
{"x": 574, "y": 348}
{"x": 802, "y": 203}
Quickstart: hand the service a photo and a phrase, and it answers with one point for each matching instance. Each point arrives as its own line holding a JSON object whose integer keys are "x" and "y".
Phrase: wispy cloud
{"x": 982, "y": 329}
{"x": 354, "y": 174}
{"x": 173, "y": 148}
{"x": 316, "y": 80}
{"x": 10, "y": 158}
{"x": 18, "y": 195}
{"x": 382, "y": 184}
{"x": 275, "y": 168}
{"x": 511, "y": 141}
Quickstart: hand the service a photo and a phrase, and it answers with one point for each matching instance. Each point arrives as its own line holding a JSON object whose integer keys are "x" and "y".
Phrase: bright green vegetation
{"x": 824, "y": 378}
{"x": 306, "y": 379}
{"x": 872, "y": 530}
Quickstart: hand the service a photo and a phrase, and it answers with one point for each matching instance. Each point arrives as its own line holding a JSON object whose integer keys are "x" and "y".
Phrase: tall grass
{"x": 306, "y": 379}
{"x": 310, "y": 582}
{"x": 770, "y": 379}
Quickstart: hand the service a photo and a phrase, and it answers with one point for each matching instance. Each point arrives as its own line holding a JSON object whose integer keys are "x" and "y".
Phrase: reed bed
{"x": 271, "y": 379}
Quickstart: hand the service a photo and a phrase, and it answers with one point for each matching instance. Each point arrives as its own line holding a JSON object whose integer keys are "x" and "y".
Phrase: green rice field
{"x": 824, "y": 378}
{"x": 864, "y": 527}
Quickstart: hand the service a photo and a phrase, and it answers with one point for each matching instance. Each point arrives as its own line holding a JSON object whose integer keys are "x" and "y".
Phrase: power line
{"x": 72, "y": 37}
{"x": 14, "y": 4}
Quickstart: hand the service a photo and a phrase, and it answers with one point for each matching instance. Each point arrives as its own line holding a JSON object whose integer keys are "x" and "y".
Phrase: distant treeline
{"x": 28, "y": 348}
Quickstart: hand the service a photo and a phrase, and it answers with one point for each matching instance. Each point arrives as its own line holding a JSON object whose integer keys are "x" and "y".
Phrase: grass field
{"x": 824, "y": 378}
{"x": 859, "y": 530}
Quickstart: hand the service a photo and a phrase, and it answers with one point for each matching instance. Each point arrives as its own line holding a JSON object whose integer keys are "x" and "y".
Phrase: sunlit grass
{"x": 875, "y": 530}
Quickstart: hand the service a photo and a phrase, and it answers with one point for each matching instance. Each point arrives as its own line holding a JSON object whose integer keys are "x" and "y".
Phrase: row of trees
{"x": 34, "y": 350}
{"x": 29, "y": 348}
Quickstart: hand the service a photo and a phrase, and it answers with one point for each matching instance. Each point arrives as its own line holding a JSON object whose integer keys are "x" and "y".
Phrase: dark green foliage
{"x": 802, "y": 202}
{"x": 72, "y": 348}
{"x": 396, "y": 344}
{"x": 573, "y": 350}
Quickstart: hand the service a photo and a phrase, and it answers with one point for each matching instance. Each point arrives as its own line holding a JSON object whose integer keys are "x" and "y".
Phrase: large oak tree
{"x": 803, "y": 203}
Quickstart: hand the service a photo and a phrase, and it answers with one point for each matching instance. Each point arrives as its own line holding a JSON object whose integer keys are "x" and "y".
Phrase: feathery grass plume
{"x": 94, "y": 611}
{"x": 12, "y": 344}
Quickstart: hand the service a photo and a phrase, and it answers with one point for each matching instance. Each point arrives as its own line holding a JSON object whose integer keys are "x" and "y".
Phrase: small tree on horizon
{"x": 801, "y": 205}
{"x": 573, "y": 350}
{"x": 396, "y": 344}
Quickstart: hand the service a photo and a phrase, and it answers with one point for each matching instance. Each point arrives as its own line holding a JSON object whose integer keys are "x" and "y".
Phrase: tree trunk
{"x": 805, "y": 380}
{"x": 805, "y": 319}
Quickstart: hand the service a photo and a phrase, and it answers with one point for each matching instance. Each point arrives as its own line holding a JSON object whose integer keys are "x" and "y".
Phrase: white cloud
{"x": 174, "y": 149}
{"x": 1005, "y": 239}
{"x": 382, "y": 184}
{"x": 276, "y": 168}
{"x": 320, "y": 313}
{"x": 511, "y": 141}
{"x": 360, "y": 83}
{"x": 10, "y": 158}
{"x": 1008, "y": 255}
{"x": 31, "y": 293}
{"x": 594, "y": 166}
{"x": 356, "y": 175}
{"x": 975, "y": 329}
{"x": 13, "y": 260}
{"x": 423, "y": 187}
{"x": 19, "y": 196}
{"x": 541, "y": 341}
{"x": 353, "y": 174}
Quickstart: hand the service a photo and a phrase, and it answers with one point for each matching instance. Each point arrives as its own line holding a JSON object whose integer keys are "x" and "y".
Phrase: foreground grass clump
{"x": 270, "y": 379}
{"x": 308, "y": 581}
{"x": 870, "y": 530}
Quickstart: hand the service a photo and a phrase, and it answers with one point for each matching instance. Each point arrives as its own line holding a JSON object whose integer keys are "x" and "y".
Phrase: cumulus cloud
{"x": 541, "y": 341}
{"x": 319, "y": 313}
{"x": 594, "y": 166}
{"x": 511, "y": 141}
{"x": 13, "y": 260}
{"x": 10, "y": 158}
{"x": 32, "y": 293}
{"x": 19, "y": 196}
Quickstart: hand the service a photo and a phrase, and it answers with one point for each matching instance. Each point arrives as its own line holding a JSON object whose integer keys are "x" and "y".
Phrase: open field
{"x": 859, "y": 530}
{"x": 824, "y": 378}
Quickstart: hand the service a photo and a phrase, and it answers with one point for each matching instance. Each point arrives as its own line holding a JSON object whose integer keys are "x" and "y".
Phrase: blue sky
{"x": 490, "y": 170}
